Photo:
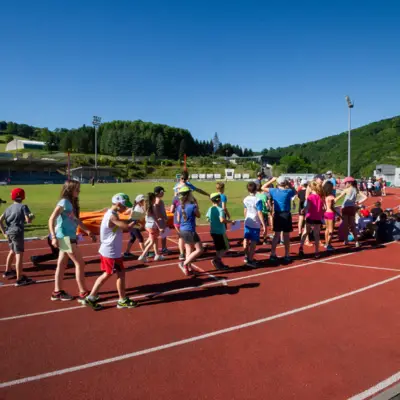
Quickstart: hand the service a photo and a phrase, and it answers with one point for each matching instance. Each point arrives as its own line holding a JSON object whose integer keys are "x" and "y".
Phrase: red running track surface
{"x": 325, "y": 329}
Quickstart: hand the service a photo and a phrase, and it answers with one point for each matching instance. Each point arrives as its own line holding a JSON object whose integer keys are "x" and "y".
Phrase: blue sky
{"x": 260, "y": 73}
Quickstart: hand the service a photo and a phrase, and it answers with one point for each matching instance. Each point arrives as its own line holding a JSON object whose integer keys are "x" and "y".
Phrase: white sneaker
{"x": 160, "y": 257}
{"x": 143, "y": 258}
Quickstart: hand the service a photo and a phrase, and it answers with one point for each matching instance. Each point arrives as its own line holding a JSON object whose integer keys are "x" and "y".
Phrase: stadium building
{"x": 22, "y": 144}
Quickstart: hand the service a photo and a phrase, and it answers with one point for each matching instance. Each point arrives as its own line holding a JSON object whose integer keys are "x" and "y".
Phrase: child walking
{"x": 315, "y": 213}
{"x": 181, "y": 244}
{"x": 15, "y": 217}
{"x": 329, "y": 214}
{"x": 135, "y": 232}
{"x": 265, "y": 210}
{"x": 153, "y": 228}
{"x": 253, "y": 220}
{"x": 63, "y": 223}
{"x": 162, "y": 218}
{"x": 188, "y": 211}
{"x": 218, "y": 219}
{"x": 111, "y": 232}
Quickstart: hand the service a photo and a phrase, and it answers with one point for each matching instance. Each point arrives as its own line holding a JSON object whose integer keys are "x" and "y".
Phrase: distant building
{"x": 18, "y": 144}
{"x": 390, "y": 173}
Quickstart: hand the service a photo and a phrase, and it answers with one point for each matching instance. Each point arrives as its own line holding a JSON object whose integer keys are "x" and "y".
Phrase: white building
{"x": 389, "y": 173}
{"x": 18, "y": 144}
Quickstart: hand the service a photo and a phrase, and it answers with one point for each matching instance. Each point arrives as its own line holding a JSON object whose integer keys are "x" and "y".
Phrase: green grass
{"x": 41, "y": 199}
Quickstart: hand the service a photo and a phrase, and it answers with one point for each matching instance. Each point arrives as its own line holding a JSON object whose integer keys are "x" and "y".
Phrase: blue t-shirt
{"x": 224, "y": 199}
{"x": 282, "y": 199}
{"x": 333, "y": 180}
{"x": 66, "y": 222}
{"x": 213, "y": 215}
{"x": 188, "y": 184}
{"x": 190, "y": 223}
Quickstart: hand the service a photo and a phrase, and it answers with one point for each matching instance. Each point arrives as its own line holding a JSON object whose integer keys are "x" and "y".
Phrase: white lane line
{"x": 193, "y": 338}
{"x": 362, "y": 266}
{"x": 275, "y": 271}
{"x": 377, "y": 388}
{"x": 221, "y": 281}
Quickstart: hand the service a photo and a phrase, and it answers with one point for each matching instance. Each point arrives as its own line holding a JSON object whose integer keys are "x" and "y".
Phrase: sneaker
{"x": 126, "y": 303}
{"x": 62, "y": 295}
{"x": 246, "y": 260}
{"x": 252, "y": 264}
{"x": 182, "y": 257}
{"x": 84, "y": 296}
{"x": 9, "y": 274}
{"x": 287, "y": 259}
{"x": 185, "y": 269}
{"x": 301, "y": 252}
{"x": 166, "y": 252}
{"x": 128, "y": 255}
{"x": 317, "y": 256}
{"x": 23, "y": 281}
{"x": 330, "y": 247}
{"x": 159, "y": 257}
{"x": 151, "y": 254}
{"x": 358, "y": 245}
{"x": 273, "y": 258}
{"x": 143, "y": 258}
{"x": 92, "y": 303}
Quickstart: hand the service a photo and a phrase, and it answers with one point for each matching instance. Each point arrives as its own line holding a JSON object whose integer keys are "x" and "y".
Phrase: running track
{"x": 326, "y": 329}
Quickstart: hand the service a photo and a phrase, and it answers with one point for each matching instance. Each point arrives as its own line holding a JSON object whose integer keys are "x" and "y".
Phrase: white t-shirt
{"x": 110, "y": 238}
{"x": 369, "y": 184}
{"x": 252, "y": 204}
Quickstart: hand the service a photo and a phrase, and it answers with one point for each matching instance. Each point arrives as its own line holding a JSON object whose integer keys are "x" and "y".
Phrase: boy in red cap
{"x": 15, "y": 217}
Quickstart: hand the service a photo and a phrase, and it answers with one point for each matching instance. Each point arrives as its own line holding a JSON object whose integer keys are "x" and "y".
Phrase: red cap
{"x": 17, "y": 193}
{"x": 365, "y": 213}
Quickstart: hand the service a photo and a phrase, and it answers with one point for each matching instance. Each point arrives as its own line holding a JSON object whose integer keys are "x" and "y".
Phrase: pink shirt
{"x": 315, "y": 207}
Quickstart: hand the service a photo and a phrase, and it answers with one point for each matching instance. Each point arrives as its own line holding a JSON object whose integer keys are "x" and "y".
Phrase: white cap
{"x": 121, "y": 198}
{"x": 281, "y": 180}
{"x": 139, "y": 198}
{"x": 329, "y": 173}
{"x": 304, "y": 182}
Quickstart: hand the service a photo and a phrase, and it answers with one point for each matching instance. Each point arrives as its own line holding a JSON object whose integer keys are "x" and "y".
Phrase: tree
{"x": 216, "y": 142}
{"x": 9, "y": 138}
{"x": 182, "y": 149}
{"x": 3, "y": 126}
{"x": 160, "y": 145}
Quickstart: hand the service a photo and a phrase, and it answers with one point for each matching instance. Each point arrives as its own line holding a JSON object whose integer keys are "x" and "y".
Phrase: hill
{"x": 375, "y": 143}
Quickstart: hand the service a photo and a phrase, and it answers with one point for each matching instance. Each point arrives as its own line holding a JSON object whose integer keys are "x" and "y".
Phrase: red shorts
{"x": 111, "y": 265}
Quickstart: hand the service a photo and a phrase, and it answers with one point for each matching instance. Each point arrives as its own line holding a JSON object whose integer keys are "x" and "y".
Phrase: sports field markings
{"x": 379, "y": 387}
{"x": 195, "y": 338}
{"x": 361, "y": 266}
{"x": 150, "y": 295}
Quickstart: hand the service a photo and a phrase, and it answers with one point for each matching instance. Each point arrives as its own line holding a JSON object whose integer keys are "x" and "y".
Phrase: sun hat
{"x": 184, "y": 190}
{"x": 348, "y": 179}
{"x": 159, "y": 190}
{"x": 281, "y": 180}
{"x": 215, "y": 196}
{"x": 140, "y": 197}
{"x": 17, "y": 194}
{"x": 121, "y": 198}
{"x": 329, "y": 173}
{"x": 304, "y": 182}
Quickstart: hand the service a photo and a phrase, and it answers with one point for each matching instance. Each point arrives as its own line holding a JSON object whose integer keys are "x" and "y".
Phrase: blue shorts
{"x": 252, "y": 234}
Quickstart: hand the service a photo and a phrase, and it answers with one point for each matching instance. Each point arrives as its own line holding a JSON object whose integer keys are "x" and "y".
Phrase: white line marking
{"x": 362, "y": 266}
{"x": 193, "y": 338}
{"x": 275, "y": 271}
{"x": 377, "y": 388}
{"x": 221, "y": 281}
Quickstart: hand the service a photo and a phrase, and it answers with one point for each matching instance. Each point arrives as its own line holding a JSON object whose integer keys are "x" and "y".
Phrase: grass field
{"x": 41, "y": 199}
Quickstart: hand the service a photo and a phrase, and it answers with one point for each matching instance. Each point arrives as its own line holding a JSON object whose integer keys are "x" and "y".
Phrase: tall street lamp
{"x": 96, "y": 124}
{"x": 350, "y": 105}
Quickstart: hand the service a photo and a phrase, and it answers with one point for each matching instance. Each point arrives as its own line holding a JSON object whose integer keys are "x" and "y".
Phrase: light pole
{"x": 350, "y": 105}
{"x": 96, "y": 124}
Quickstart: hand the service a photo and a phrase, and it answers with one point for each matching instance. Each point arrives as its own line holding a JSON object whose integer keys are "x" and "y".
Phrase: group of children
{"x": 265, "y": 204}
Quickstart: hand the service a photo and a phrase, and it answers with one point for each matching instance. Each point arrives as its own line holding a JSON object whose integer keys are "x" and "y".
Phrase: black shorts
{"x": 136, "y": 234}
{"x": 313, "y": 221}
{"x": 220, "y": 241}
{"x": 266, "y": 219}
{"x": 283, "y": 222}
{"x": 16, "y": 242}
{"x": 190, "y": 237}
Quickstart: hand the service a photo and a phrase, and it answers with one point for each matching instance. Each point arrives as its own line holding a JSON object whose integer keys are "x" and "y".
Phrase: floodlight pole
{"x": 350, "y": 105}
{"x": 96, "y": 124}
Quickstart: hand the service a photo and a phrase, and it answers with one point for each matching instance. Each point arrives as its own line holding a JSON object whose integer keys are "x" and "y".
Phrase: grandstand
{"x": 23, "y": 171}
{"x": 84, "y": 174}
